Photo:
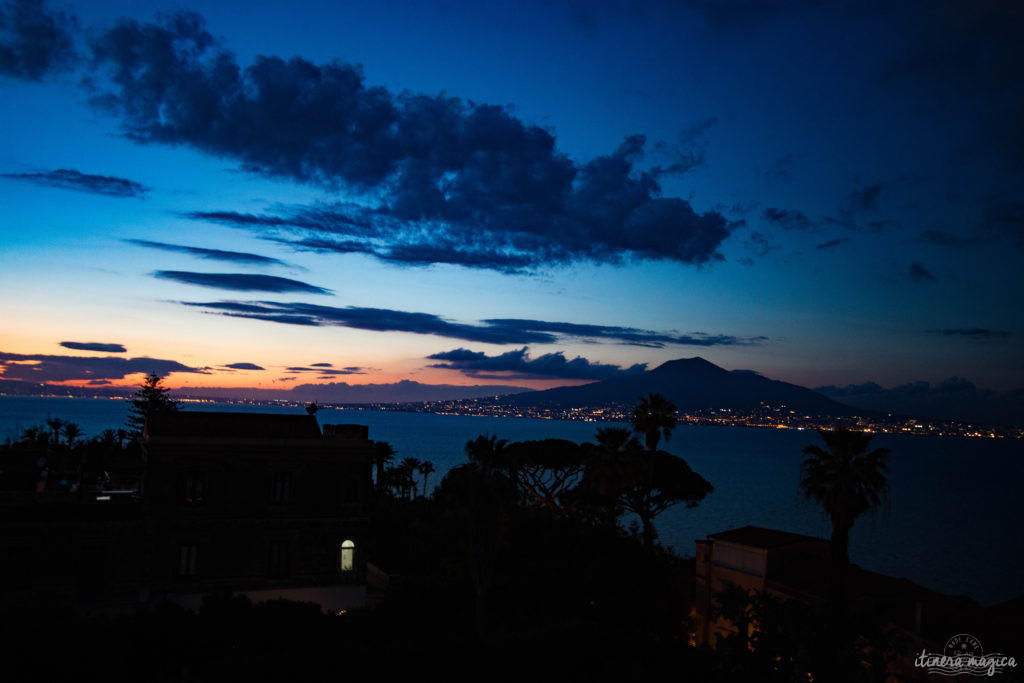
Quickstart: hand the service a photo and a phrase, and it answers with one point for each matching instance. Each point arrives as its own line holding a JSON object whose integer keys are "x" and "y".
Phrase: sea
{"x": 952, "y": 524}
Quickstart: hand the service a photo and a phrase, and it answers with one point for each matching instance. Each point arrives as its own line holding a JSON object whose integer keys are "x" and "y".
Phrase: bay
{"x": 952, "y": 524}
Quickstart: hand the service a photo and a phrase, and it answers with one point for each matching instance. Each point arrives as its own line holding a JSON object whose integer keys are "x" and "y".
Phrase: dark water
{"x": 952, "y": 524}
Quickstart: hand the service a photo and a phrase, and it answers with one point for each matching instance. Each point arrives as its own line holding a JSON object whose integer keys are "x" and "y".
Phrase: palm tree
{"x": 653, "y": 417}
{"x": 71, "y": 432}
{"x": 408, "y": 466}
{"x": 383, "y": 453}
{"x": 57, "y": 425}
{"x": 425, "y": 468}
{"x": 847, "y": 481}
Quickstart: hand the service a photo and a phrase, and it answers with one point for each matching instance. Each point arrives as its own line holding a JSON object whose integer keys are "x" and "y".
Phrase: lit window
{"x": 348, "y": 555}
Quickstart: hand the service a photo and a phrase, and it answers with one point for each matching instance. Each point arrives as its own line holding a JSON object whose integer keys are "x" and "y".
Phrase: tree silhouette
{"x": 57, "y": 425}
{"x": 608, "y": 469}
{"x": 71, "y": 432}
{"x": 654, "y": 417}
{"x": 383, "y": 453}
{"x": 847, "y": 481}
{"x": 150, "y": 399}
{"x": 656, "y": 481}
{"x": 426, "y": 468}
{"x": 407, "y": 483}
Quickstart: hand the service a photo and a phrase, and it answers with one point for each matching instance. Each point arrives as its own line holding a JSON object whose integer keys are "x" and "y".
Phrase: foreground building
{"x": 263, "y": 505}
{"x": 792, "y": 566}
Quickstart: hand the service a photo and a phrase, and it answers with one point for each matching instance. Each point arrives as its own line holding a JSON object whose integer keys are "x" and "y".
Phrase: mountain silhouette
{"x": 692, "y": 384}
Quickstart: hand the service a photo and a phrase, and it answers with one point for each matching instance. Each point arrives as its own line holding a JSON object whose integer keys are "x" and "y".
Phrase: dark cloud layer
{"x": 70, "y": 179}
{"x": 212, "y": 254}
{"x": 94, "y": 346}
{"x": 319, "y": 369}
{"x": 33, "y": 40}
{"x": 517, "y": 364}
{"x": 981, "y": 333}
{"x": 244, "y": 366}
{"x": 435, "y": 171}
{"x": 46, "y": 368}
{"x": 622, "y": 335}
{"x": 491, "y": 331}
{"x": 240, "y": 282}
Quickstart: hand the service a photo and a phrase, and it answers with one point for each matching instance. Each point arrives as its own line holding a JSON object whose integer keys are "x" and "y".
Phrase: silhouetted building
{"x": 796, "y": 567}
{"x": 259, "y": 504}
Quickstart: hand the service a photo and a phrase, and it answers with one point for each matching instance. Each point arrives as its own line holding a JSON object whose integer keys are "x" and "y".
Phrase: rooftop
{"x": 232, "y": 425}
{"x": 759, "y": 537}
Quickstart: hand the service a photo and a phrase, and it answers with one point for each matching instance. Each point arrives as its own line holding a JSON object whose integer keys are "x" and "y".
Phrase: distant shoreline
{"x": 769, "y": 418}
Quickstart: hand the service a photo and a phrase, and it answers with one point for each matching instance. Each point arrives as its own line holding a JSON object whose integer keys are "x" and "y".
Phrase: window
{"x": 348, "y": 555}
{"x": 279, "y": 565}
{"x": 281, "y": 487}
{"x": 194, "y": 487}
{"x": 188, "y": 559}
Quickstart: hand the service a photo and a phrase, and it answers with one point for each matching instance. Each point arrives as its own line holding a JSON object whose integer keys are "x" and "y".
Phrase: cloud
{"x": 327, "y": 373}
{"x": 33, "y": 40}
{"x": 491, "y": 331}
{"x": 689, "y": 152}
{"x": 790, "y": 219}
{"x": 47, "y": 368}
{"x": 242, "y": 282}
{"x": 244, "y": 366}
{"x": 918, "y": 272}
{"x": 321, "y": 365}
{"x": 518, "y": 365}
{"x": 94, "y": 346}
{"x": 213, "y": 254}
{"x": 423, "y": 170}
{"x": 376, "y": 319}
{"x": 623, "y": 335}
{"x": 980, "y": 333}
{"x": 69, "y": 179}
{"x": 831, "y": 244}
{"x": 760, "y": 244}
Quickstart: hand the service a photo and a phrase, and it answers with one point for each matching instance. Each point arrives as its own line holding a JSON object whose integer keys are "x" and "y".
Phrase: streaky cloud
{"x": 490, "y": 331}
{"x": 517, "y": 364}
{"x": 212, "y": 254}
{"x": 790, "y": 219}
{"x": 70, "y": 179}
{"x": 50, "y": 368}
{"x": 832, "y": 244}
{"x": 244, "y": 366}
{"x": 241, "y": 282}
{"x": 94, "y": 346}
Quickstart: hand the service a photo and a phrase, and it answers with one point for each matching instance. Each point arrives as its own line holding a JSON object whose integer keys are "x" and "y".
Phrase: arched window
{"x": 348, "y": 555}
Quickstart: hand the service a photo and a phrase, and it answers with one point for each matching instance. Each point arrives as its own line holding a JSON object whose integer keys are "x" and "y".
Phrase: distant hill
{"x": 692, "y": 384}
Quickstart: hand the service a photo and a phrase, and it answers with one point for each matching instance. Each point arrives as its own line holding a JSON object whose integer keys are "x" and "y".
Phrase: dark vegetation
{"x": 534, "y": 559}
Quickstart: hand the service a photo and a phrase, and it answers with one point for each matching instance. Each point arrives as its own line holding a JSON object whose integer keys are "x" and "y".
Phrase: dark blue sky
{"x": 824, "y": 193}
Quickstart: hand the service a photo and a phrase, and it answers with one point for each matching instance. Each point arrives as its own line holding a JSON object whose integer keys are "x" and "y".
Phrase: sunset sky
{"x": 275, "y": 193}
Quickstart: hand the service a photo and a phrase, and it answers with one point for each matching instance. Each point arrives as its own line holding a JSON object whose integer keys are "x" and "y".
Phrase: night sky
{"x": 267, "y": 194}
